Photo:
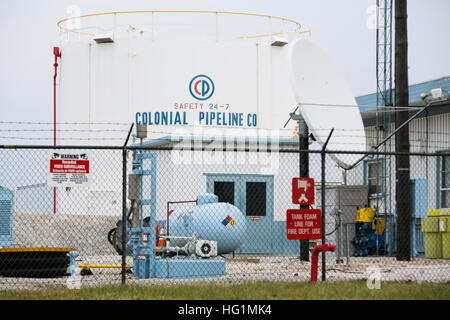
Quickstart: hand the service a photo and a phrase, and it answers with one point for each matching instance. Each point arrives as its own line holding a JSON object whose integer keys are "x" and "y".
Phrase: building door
{"x": 253, "y": 195}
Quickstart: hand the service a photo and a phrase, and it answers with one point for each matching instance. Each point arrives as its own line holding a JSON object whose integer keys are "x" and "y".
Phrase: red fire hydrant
{"x": 314, "y": 258}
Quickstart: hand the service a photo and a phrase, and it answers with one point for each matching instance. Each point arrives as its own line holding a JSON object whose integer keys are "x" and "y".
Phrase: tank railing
{"x": 176, "y": 237}
{"x": 114, "y": 28}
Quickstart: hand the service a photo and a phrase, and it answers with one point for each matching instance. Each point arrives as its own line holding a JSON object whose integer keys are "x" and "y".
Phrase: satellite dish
{"x": 326, "y": 101}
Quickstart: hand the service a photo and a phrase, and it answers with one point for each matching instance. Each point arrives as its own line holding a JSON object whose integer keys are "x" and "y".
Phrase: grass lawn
{"x": 251, "y": 291}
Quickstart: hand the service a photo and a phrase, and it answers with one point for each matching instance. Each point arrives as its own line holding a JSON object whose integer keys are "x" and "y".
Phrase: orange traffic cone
{"x": 144, "y": 241}
{"x": 162, "y": 242}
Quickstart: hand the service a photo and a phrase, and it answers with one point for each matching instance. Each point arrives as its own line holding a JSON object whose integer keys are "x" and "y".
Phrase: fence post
{"x": 124, "y": 213}
{"x": 124, "y": 205}
{"x": 303, "y": 144}
{"x": 322, "y": 198}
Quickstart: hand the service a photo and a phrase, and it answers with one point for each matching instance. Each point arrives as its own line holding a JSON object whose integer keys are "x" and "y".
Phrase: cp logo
{"x": 201, "y": 87}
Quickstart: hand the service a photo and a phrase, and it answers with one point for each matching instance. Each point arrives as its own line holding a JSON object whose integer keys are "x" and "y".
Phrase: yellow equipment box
{"x": 365, "y": 215}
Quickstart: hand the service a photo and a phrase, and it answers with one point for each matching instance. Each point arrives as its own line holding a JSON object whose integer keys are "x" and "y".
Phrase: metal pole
{"x": 304, "y": 173}
{"x": 347, "y": 243}
{"x": 339, "y": 252}
{"x": 124, "y": 213}
{"x": 402, "y": 144}
{"x": 322, "y": 187}
{"x": 57, "y": 54}
{"x": 124, "y": 205}
{"x": 322, "y": 194}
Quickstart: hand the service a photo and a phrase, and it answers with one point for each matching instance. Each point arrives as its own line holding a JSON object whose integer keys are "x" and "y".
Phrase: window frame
{"x": 440, "y": 178}
{"x": 381, "y": 187}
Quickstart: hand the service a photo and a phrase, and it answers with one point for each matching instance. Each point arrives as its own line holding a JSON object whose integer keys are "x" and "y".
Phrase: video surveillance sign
{"x": 68, "y": 168}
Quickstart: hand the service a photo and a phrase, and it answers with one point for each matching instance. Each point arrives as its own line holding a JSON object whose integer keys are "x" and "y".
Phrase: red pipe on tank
{"x": 57, "y": 54}
{"x": 315, "y": 258}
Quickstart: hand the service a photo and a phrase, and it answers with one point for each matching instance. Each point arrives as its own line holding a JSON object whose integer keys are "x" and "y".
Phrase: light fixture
{"x": 104, "y": 38}
{"x": 279, "y": 42}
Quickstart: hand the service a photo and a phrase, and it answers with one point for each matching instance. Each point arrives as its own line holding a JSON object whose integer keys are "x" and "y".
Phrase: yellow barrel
{"x": 432, "y": 238}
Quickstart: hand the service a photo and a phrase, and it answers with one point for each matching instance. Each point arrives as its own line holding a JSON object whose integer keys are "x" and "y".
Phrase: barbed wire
{"x": 193, "y": 135}
{"x": 62, "y": 130}
{"x": 373, "y": 107}
{"x": 73, "y": 139}
{"x": 66, "y": 123}
{"x": 413, "y": 143}
{"x": 367, "y": 130}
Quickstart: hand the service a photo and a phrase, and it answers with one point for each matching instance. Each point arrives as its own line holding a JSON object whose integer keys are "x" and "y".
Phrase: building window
{"x": 445, "y": 182}
{"x": 224, "y": 191}
{"x": 255, "y": 199}
{"x": 374, "y": 177}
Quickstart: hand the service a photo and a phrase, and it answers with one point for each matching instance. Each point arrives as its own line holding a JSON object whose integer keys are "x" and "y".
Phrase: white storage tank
{"x": 174, "y": 71}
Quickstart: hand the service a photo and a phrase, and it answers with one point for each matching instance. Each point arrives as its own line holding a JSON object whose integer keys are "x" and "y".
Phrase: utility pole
{"x": 303, "y": 145}
{"x": 403, "y": 187}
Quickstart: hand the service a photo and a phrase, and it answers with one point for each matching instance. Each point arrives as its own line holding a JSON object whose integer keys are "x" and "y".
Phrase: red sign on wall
{"x": 304, "y": 224}
{"x": 303, "y": 191}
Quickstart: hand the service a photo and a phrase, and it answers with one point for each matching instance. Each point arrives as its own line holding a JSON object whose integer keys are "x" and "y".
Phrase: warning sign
{"x": 304, "y": 224}
{"x": 303, "y": 191}
{"x": 68, "y": 169}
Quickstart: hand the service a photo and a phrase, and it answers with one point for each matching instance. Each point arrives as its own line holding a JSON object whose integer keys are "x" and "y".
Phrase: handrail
{"x": 297, "y": 29}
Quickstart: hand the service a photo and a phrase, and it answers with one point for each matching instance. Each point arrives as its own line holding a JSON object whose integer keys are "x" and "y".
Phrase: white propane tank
{"x": 217, "y": 221}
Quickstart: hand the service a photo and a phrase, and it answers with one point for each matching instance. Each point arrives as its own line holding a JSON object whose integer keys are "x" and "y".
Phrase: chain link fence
{"x": 216, "y": 215}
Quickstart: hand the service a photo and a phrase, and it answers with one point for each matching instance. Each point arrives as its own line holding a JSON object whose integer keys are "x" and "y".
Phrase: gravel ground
{"x": 244, "y": 268}
{"x": 88, "y": 235}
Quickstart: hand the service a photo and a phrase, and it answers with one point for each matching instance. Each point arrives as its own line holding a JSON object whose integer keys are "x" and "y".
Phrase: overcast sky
{"x": 28, "y": 32}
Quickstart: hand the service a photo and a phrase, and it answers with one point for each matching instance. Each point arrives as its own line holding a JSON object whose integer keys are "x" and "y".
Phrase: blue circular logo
{"x": 201, "y": 87}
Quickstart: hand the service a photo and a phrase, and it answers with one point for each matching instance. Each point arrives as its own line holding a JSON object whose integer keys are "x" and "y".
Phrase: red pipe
{"x": 315, "y": 257}
{"x": 57, "y": 55}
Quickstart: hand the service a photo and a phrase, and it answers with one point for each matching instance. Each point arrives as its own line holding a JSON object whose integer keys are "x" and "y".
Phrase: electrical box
{"x": 141, "y": 131}
{"x": 348, "y": 200}
{"x": 134, "y": 186}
